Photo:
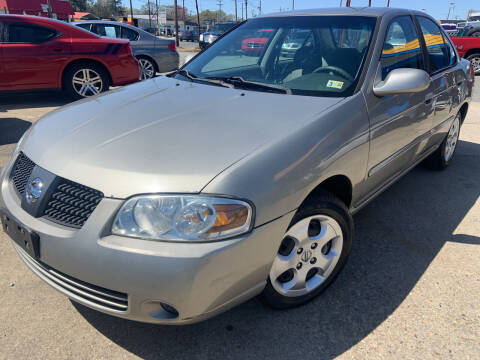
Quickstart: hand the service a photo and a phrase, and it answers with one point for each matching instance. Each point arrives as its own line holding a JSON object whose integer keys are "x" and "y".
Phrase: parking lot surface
{"x": 411, "y": 288}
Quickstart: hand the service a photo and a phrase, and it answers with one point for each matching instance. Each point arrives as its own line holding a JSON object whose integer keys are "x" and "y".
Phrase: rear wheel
{"x": 475, "y": 60}
{"x": 443, "y": 156}
{"x": 85, "y": 79}
{"x": 147, "y": 68}
{"x": 312, "y": 253}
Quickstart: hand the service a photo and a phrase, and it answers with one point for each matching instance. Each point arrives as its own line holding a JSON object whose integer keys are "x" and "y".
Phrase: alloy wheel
{"x": 452, "y": 139}
{"x": 307, "y": 256}
{"x": 147, "y": 69}
{"x": 87, "y": 82}
{"x": 476, "y": 64}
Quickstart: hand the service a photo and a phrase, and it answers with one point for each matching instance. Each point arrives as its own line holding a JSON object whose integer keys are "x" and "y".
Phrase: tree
{"x": 79, "y": 5}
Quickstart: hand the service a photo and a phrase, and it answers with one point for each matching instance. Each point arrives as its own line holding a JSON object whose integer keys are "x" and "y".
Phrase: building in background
{"x": 61, "y": 9}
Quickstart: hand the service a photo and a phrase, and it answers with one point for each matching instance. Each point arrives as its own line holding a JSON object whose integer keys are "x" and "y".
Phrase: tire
{"x": 322, "y": 252}
{"x": 85, "y": 79}
{"x": 475, "y": 60}
{"x": 148, "y": 68}
{"x": 443, "y": 156}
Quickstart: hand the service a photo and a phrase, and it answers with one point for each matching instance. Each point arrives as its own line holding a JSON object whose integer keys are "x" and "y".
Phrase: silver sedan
{"x": 176, "y": 215}
{"x": 154, "y": 54}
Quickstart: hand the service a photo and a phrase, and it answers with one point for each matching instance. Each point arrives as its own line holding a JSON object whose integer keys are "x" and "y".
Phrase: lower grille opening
{"x": 95, "y": 296}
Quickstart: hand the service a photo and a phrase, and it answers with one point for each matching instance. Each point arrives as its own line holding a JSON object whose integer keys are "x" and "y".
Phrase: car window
{"x": 2, "y": 28}
{"x": 108, "y": 30}
{"x": 402, "y": 47}
{"x": 25, "y": 33}
{"x": 129, "y": 34}
{"x": 438, "y": 53}
{"x": 452, "y": 56}
{"x": 85, "y": 26}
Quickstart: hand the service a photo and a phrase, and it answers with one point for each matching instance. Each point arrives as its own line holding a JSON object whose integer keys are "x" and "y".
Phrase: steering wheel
{"x": 335, "y": 69}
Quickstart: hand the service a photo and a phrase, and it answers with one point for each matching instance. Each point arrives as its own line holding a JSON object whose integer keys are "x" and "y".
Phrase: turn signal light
{"x": 172, "y": 47}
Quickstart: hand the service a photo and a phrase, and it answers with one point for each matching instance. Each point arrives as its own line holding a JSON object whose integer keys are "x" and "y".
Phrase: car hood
{"x": 163, "y": 135}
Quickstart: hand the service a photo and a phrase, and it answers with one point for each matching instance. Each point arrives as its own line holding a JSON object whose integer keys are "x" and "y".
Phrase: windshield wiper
{"x": 195, "y": 78}
{"x": 247, "y": 84}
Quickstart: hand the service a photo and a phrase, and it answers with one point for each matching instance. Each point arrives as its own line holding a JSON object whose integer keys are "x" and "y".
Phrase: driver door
{"x": 398, "y": 123}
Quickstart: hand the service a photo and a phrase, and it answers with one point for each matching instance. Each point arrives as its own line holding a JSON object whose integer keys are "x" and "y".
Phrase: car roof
{"x": 113, "y": 23}
{"x": 353, "y": 11}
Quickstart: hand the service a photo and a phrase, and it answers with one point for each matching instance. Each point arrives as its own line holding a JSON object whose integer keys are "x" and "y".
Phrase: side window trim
{"x": 123, "y": 28}
{"x": 444, "y": 36}
{"x": 7, "y": 29}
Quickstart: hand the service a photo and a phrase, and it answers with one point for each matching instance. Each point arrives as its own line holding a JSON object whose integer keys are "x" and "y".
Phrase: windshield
{"x": 311, "y": 56}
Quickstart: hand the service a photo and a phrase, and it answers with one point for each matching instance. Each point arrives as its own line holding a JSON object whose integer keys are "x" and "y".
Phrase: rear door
{"x": 33, "y": 56}
{"x": 442, "y": 60}
{"x": 398, "y": 122}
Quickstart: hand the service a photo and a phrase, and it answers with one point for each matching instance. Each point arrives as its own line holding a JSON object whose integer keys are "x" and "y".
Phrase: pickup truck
{"x": 469, "y": 48}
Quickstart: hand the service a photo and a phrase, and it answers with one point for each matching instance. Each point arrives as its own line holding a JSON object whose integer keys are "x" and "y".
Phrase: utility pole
{"x": 131, "y": 12}
{"x": 49, "y": 4}
{"x": 219, "y": 3}
{"x": 236, "y": 17}
{"x": 369, "y": 3}
{"x": 183, "y": 13}
{"x": 198, "y": 17}
{"x": 176, "y": 22}
{"x": 246, "y": 9}
{"x": 158, "y": 24}
{"x": 149, "y": 16}
{"x": 388, "y": 3}
{"x": 341, "y": 2}
{"x": 260, "y": 7}
{"x": 293, "y": 4}
{"x": 348, "y": 3}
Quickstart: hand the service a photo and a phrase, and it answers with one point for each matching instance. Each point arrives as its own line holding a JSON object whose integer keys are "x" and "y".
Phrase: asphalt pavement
{"x": 410, "y": 290}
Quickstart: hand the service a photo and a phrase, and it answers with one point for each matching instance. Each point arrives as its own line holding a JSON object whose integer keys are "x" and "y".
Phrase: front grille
{"x": 71, "y": 204}
{"x": 95, "y": 296}
{"x": 22, "y": 169}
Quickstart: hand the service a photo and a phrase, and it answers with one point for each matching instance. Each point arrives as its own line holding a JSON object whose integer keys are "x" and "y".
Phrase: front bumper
{"x": 198, "y": 280}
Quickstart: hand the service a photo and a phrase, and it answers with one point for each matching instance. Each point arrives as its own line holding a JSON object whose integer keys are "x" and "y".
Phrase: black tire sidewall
{"x": 326, "y": 205}
{"x": 68, "y": 77}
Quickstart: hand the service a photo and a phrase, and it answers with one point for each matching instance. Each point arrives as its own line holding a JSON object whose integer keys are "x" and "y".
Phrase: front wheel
{"x": 312, "y": 253}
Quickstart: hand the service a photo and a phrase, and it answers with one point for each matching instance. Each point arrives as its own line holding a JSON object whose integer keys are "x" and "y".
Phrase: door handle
{"x": 58, "y": 50}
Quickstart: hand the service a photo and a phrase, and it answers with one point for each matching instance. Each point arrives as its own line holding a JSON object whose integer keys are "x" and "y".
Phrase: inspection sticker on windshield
{"x": 335, "y": 84}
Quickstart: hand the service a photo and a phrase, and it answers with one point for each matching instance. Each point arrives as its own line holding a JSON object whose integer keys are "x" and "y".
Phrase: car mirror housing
{"x": 403, "y": 81}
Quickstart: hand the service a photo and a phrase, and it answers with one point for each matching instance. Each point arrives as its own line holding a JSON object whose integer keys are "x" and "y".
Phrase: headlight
{"x": 182, "y": 218}
{"x": 200, "y": 38}
{"x": 211, "y": 38}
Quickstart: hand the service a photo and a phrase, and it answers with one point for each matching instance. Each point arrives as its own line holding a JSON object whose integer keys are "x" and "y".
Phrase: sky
{"x": 437, "y": 8}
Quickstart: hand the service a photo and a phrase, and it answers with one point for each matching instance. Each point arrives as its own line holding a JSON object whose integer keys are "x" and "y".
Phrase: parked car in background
{"x": 214, "y": 33}
{"x": 188, "y": 35}
{"x": 153, "y": 54}
{"x": 38, "y": 53}
{"x": 469, "y": 48}
{"x": 471, "y": 29}
{"x": 248, "y": 187}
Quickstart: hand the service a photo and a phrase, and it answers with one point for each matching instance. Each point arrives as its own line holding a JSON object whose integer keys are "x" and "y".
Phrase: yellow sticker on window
{"x": 335, "y": 84}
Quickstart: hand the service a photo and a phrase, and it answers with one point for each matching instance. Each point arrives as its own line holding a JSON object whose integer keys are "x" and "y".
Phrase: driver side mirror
{"x": 403, "y": 81}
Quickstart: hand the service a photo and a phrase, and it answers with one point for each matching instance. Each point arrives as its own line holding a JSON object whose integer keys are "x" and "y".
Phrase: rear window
{"x": 26, "y": 33}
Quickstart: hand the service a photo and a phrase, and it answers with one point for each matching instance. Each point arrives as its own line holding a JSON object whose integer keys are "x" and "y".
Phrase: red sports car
{"x": 38, "y": 53}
